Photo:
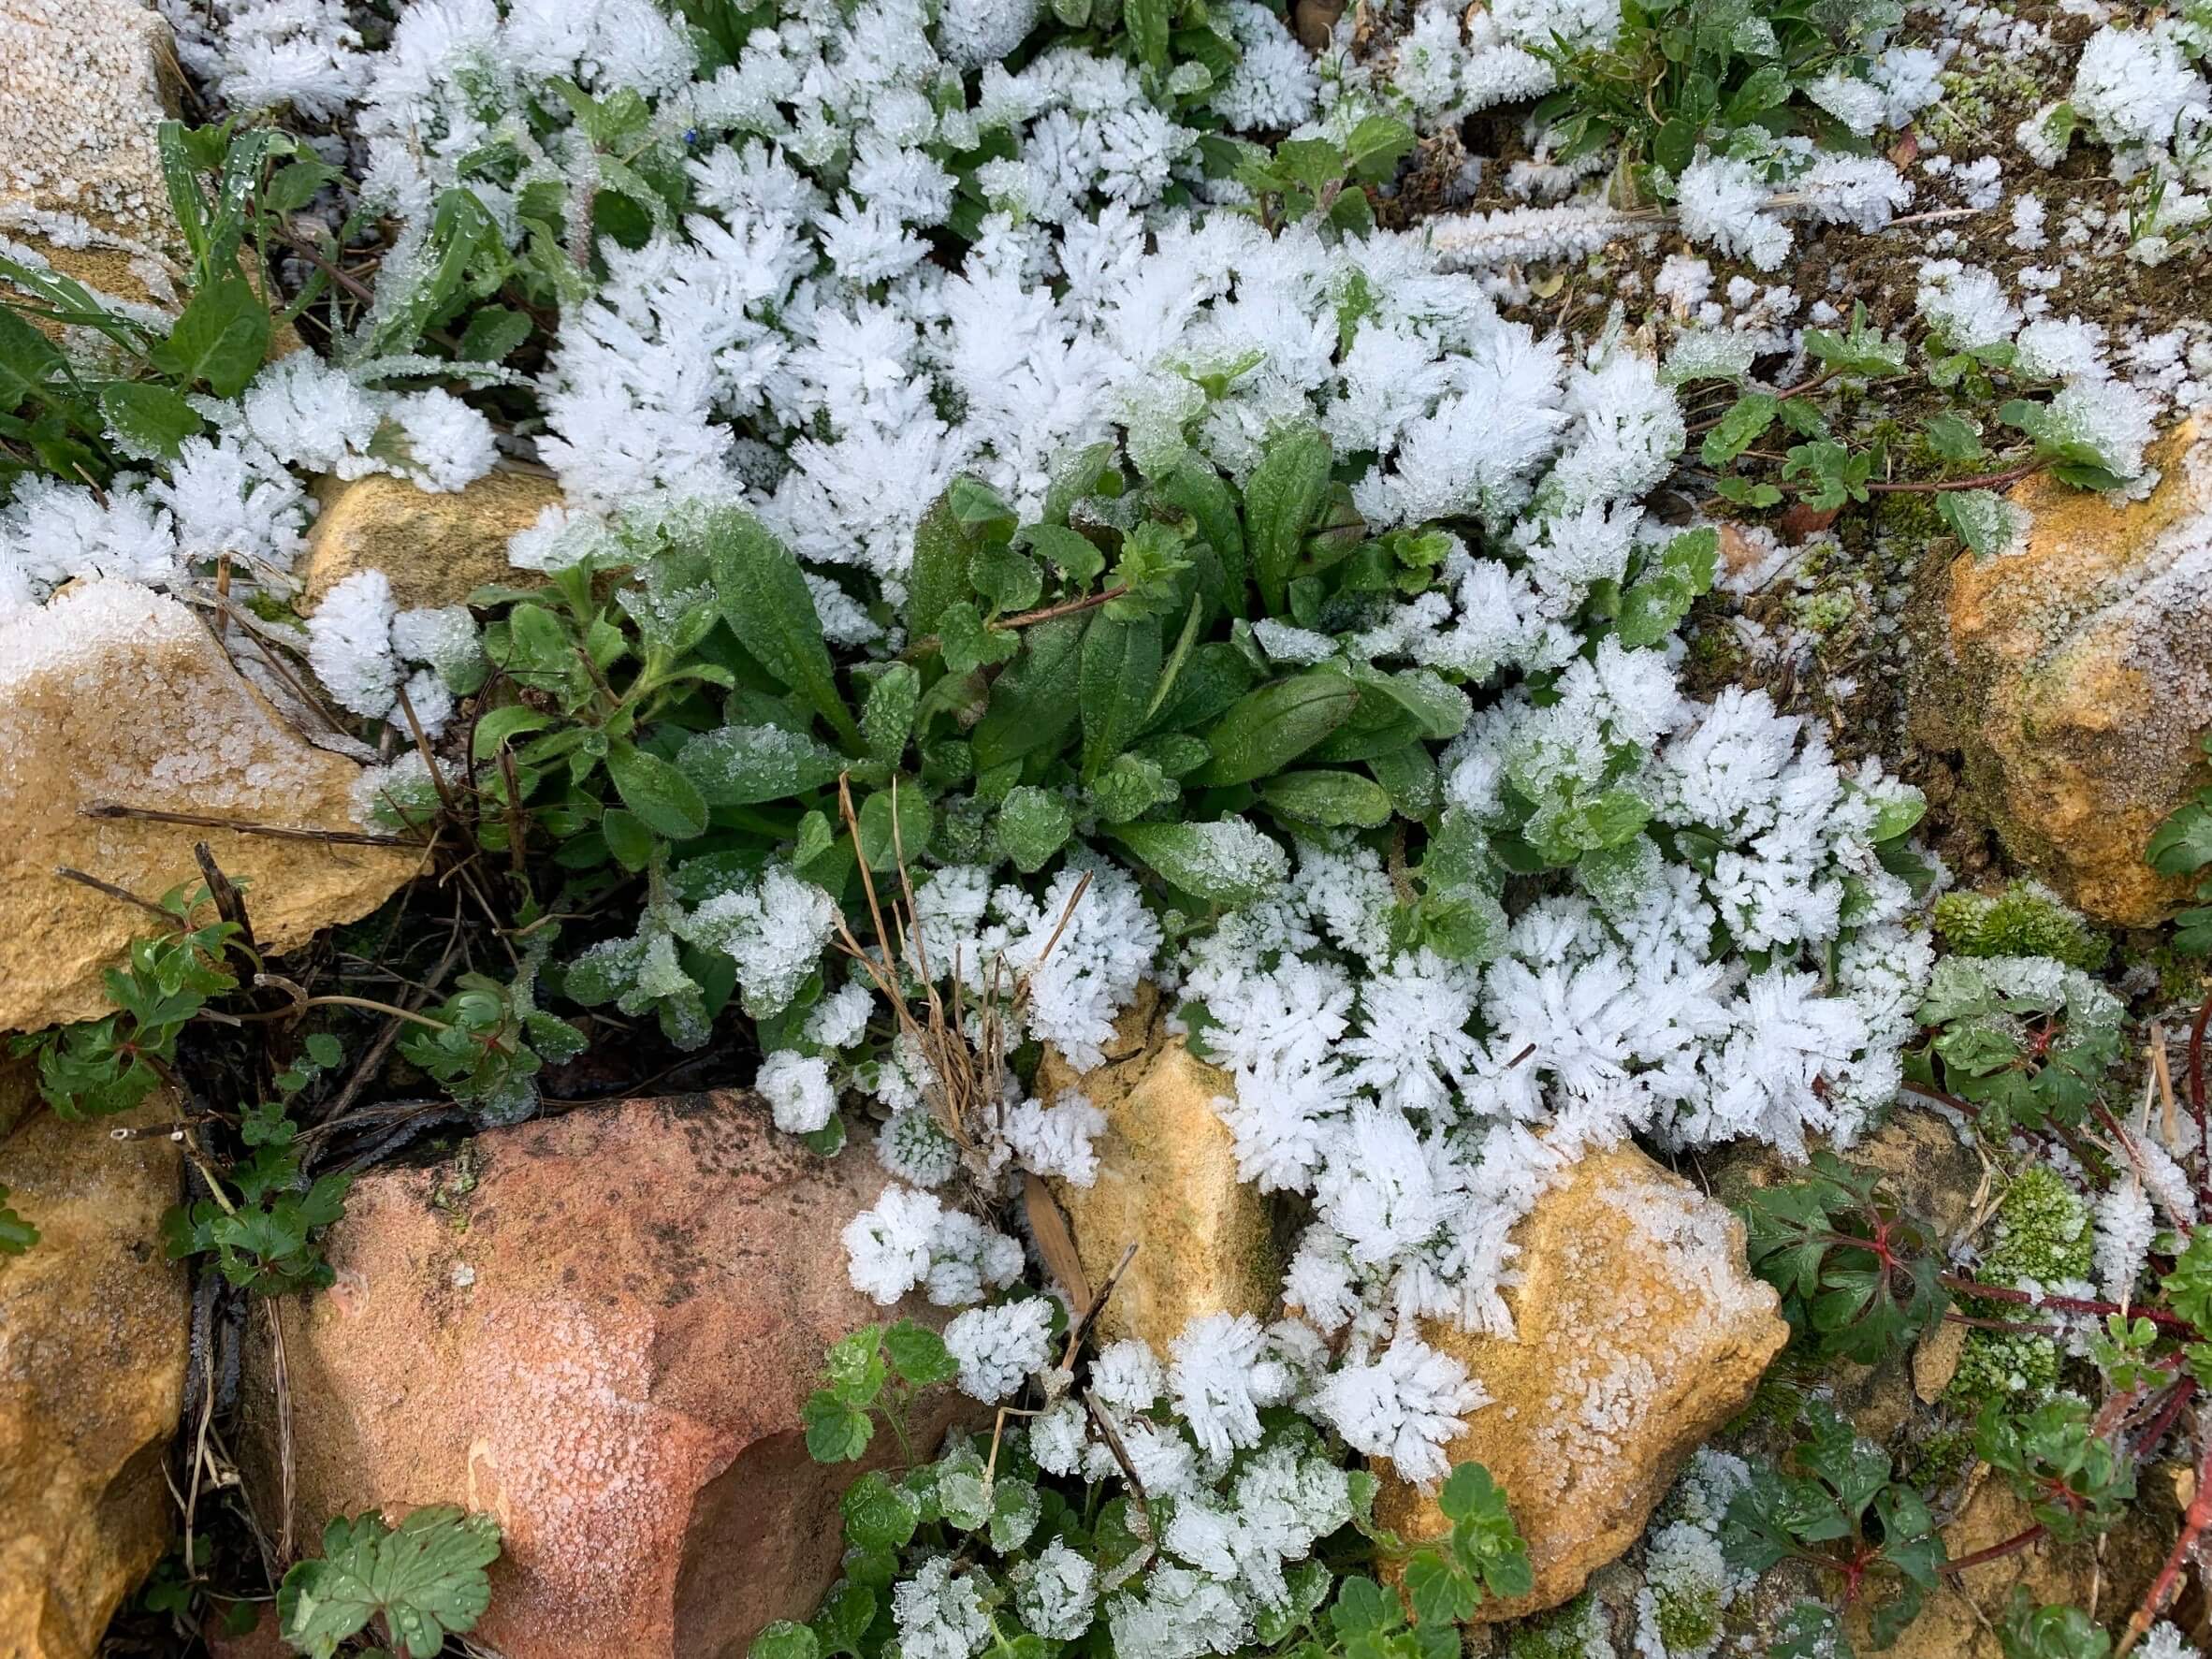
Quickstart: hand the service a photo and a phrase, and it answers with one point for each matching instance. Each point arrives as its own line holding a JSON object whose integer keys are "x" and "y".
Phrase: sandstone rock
{"x": 434, "y": 546}
{"x": 602, "y": 1331}
{"x": 1639, "y": 1334}
{"x": 2076, "y": 675}
{"x": 1168, "y": 1181}
{"x": 93, "y": 1337}
{"x": 88, "y": 83}
{"x": 114, "y": 694}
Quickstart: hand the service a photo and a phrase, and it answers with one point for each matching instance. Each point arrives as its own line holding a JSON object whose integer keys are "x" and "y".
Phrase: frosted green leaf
{"x": 746, "y": 765}
{"x": 423, "y": 1580}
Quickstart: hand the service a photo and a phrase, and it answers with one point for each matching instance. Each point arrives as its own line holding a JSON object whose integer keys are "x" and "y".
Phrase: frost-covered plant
{"x": 1857, "y": 1273}
{"x": 2084, "y": 428}
{"x": 1671, "y": 77}
{"x": 1109, "y": 1520}
{"x": 2023, "y": 1040}
{"x": 2042, "y": 1240}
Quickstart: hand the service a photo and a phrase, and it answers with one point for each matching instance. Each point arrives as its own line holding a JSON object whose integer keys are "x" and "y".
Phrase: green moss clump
{"x": 2027, "y": 919}
{"x": 2043, "y": 1232}
{"x": 1566, "y": 1634}
{"x": 1689, "y": 1616}
{"x": 2043, "y": 1235}
{"x": 1941, "y": 1458}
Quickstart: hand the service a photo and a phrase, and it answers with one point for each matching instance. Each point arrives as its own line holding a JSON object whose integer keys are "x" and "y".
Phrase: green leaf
{"x": 1282, "y": 496}
{"x": 222, "y": 338}
{"x": 887, "y": 718}
{"x": 1748, "y": 417}
{"x": 16, "y": 1234}
{"x": 1362, "y": 1608}
{"x": 1268, "y": 728}
{"x": 1674, "y": 143}
{"x": 1011, "y": 581}
{"x": 884, "y": 840}
{"x": 835, "y": 1432}
{"x": 1226, "y": 862}
{"x": 1979, "y": 517}
{"x": 662, "y": 798}
{"x": 1147, "y": 21}
{"x": 1120, "y": 666}
{"x": 784, "y": 1641}
{"x": 2182, "y": 844}
{"x": 1033, "y": 825}
{"x": 879, "y": 1515}
{"x": 27, "y": 360}
{"x": 1033, "y": 702}
{"x": 502, "y": 724}
{"x": 766, "y": 602}
{"x": 424, "y": 1578}
{"x": 492, "y": 334}
{"x": 938, "y": 574}
{"x": 1330, "y": 798}
{"x": 919, "y": 1354}
{"x": 1954, "y": 438}
{"x": 628, "y": 839}
{"x": 148, "y": 418}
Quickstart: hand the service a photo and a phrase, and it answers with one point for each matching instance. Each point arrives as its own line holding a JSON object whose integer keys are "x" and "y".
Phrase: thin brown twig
{"x": 103, "y": 809}
{"x": 70, "y": 873}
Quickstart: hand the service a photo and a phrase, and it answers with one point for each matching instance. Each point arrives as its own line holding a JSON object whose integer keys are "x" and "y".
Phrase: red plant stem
{"x": 2162, "y": 1590}
{"x": 2068, "y": 1305}
{"x": 1997, "y": 1551}
{"x": 2155, "y": 1431}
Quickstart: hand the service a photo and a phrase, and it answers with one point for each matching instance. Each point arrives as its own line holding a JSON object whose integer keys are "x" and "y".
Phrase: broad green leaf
{"x": 502, "y": 724}
{"x": 1330, "y": 798}
{"x": 148, "y": 419}
{"x": 222, "y": 338}
{"x": 1269, "y": 728}
{"x": 887, "y": 718}
{"x": 658, "y": 792}
{"x": 1285, "y": 492}
{"x": 784, "y": 1641}
{"x": 1033, "y": 825}
{"x": 27, "y": 360}
{"x": 919, "y": 1354}
{"x": 1981, "y": 518}
{"x": 1119, "y": 669}
{"x": 1033, "y": 702}
{"x": 938, "y": 574}
{"x": 835, "y": 1432}
{"x": 885, "y": 840}
{"x": 1227, "y": 862}
{"x": 1193, "y": 486}
{"x": 1749, "y": 416}
{"x": 766, "y": 602}
{"x": 493, "y": 333}
{"x": 1147, "y": 21}
{"x": 879, "y": 1515}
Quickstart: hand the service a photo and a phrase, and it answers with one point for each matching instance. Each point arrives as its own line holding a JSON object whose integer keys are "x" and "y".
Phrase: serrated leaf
{"x": 1748, "y": 417}
{"x": 423, "y": 1580}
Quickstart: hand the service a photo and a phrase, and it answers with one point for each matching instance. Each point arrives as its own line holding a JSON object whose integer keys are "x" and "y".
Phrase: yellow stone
{"x": 436, "y": 547}
{"x": 87, "y": 84}
{"x": 1638, "y": 1332}
{"x": 113, "y": 694}
{"x": 93, "y": 1325}
{"x": 2075, "y": 676}
{"x": 1167, "y": 1182}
